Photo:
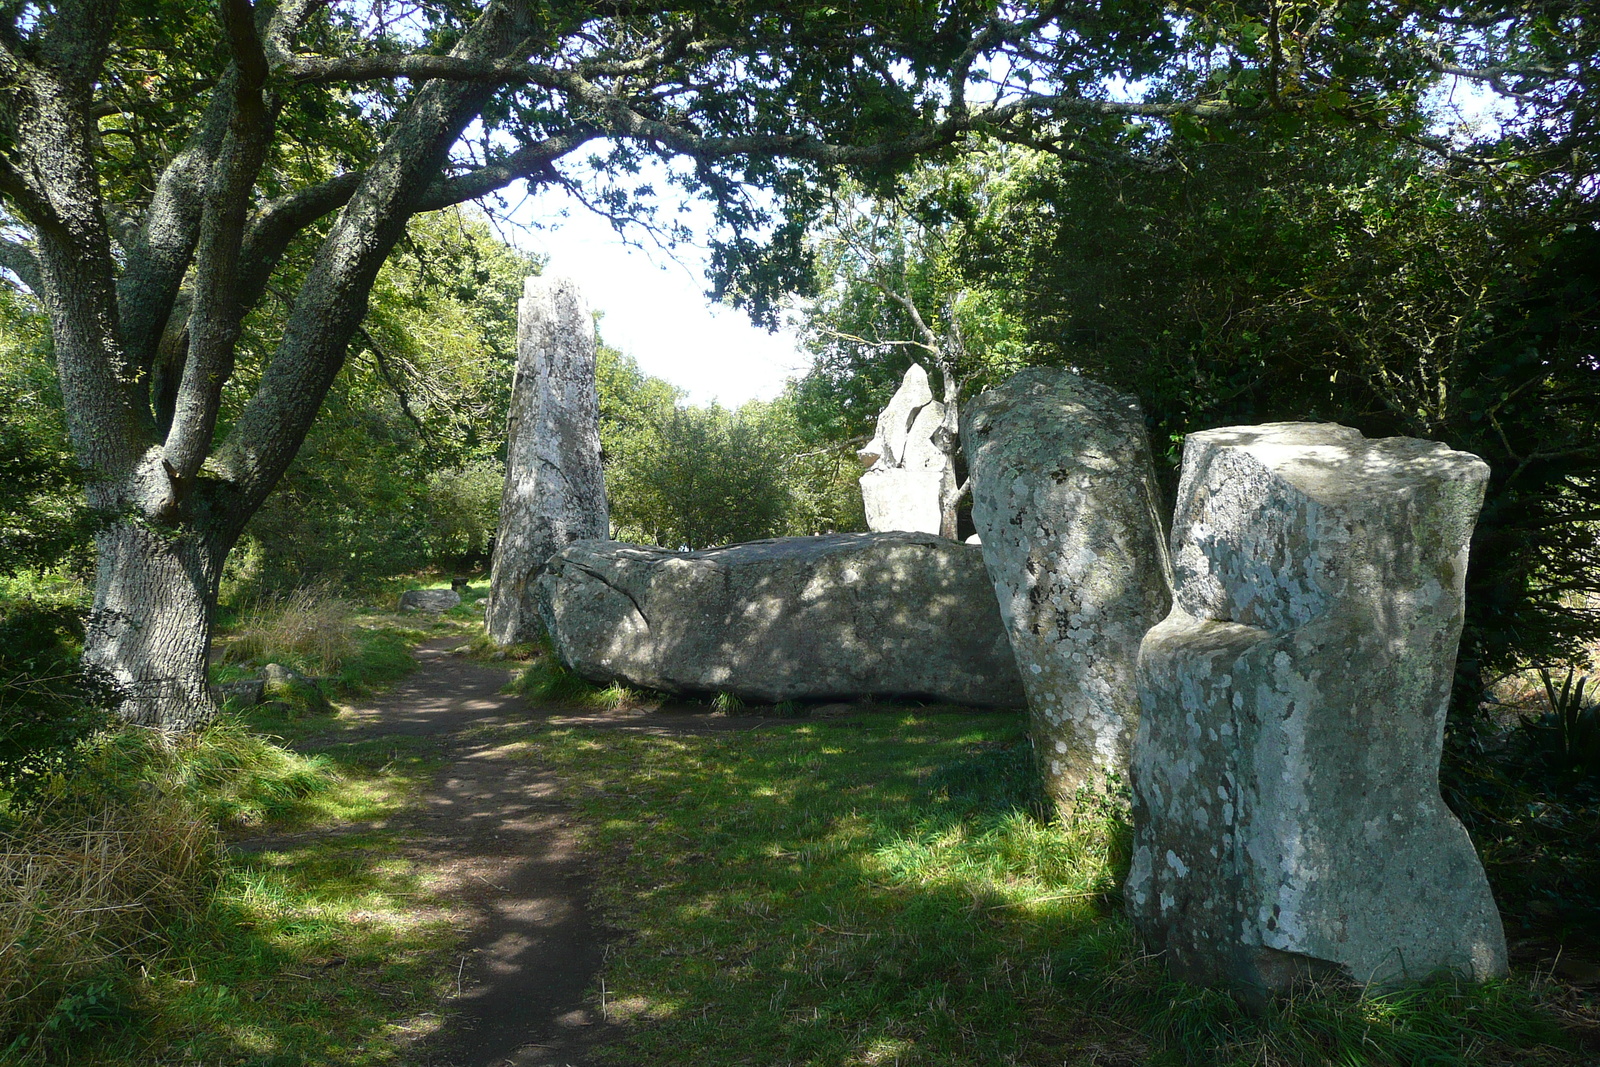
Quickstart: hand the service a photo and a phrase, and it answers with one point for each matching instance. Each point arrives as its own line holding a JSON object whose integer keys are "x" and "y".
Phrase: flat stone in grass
{"x": 293, "y": 690}
{"x": 244, "y": 693}
{"x": 838, "y": 617}
{"x": 1287, "y": 814}
{"x": 434, "y": 601}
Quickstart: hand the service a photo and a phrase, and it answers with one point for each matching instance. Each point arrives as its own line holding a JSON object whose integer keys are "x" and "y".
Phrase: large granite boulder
{"x": 555, "y": 491}
{"x": 432, "y": 601}
{"x": 911, "y": 472}
{"x": 832, "y": 617}
{"x": 1065, "y": 501}
{"x": 1286, "y": 794}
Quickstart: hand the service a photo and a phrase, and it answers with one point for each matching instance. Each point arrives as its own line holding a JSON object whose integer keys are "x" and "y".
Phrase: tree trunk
{"x": 949, "y": 441}
{"x": 150, "y": 628}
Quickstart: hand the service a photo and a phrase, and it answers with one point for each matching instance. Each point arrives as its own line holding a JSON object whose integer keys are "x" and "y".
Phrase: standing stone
{"x": 1065, "y": 502}
{"x": 910, "y": 474}
{"x": 555, "y": 492}
{"x": 1286, "y": 787}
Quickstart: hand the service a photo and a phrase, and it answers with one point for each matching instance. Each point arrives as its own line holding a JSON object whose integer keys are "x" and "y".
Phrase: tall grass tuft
{"x": 547, "y": 681}
{"x": 84, "y": 896}
{"x": 99, "y": 875}
{"x": 228, "y": 774}
{"x": 308, "y": 628}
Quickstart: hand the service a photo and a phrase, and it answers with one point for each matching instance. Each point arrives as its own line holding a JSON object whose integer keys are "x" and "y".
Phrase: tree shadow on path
{"x": 494, "y": 838}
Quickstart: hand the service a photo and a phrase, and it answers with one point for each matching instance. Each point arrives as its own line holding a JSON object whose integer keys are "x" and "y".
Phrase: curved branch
{"x": 20, "y": 260}
{"x": 217, "y": 315}
{"x": 530, "y": 161}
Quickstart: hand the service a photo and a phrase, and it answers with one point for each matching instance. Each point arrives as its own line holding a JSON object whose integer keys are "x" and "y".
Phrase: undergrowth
{"x": 321, "y": 635}
{"x": 130, "y": 934}
{"x": 546, "y": 681}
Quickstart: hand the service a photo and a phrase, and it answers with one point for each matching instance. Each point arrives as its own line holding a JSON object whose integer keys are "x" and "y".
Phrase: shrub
{"x": 463, "y": 509}
{"x": 47, "y": 705}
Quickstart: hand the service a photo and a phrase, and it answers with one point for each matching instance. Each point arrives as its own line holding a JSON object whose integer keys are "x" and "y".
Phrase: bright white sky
{"x": 654, "y": 306}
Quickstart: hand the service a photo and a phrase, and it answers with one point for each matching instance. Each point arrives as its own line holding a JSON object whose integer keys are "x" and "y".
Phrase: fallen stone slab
{"x": 835, "y": 617}
{"x": 1286, "y": 804}
{"x": 1065, "y": 502}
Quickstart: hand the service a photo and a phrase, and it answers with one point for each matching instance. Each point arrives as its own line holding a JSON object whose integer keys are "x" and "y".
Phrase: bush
{"x": 463, "y": 510}
{"x": 47, "y": 705}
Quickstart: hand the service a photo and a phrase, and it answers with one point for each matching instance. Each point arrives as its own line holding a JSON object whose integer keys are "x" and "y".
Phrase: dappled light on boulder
{"x": 1064, "y": 498}
{"x": 1288, "y": 822}
{"x": 832, "y": 617}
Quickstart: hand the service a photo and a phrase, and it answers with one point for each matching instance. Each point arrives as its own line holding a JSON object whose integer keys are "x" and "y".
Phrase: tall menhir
{"x": 555, "y": 491}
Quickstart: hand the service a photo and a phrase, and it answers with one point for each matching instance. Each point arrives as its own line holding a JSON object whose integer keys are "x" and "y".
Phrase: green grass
{"x": 546, "y": 681}
{"x": 881, "y": 890}
{"x": 324, "y": 945}
{"x": 322, "y": 948}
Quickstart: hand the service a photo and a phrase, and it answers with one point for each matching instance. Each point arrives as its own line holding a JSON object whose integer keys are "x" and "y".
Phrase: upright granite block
{"x": 794, "y": 618}
{"x": 909, "y": 476}
{"x": 555, "y": 491}
{"x": 1065, "y": 502}
{"x": 1286, "y": 793}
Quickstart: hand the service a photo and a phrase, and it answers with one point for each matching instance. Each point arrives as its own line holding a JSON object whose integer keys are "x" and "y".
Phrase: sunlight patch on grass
{"x": 884, "y": 889}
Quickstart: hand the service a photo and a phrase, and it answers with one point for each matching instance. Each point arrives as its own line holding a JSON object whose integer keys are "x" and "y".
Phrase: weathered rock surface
{"x": 1065, "y": 502}
{"x": 898, "y": 499}
{"x": 910, "y": 474}
{"x": 293, "y": 690}
{"x": 434, "y": 601}
{"x": 245, "y": 693}
{"x": 834, "y": 617}
{"x": 555, "y": 492}
{"x": 1286, "y": 797}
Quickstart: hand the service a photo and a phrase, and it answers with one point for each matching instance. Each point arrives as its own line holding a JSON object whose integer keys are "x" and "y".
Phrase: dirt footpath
{"x": 496, "y": 837}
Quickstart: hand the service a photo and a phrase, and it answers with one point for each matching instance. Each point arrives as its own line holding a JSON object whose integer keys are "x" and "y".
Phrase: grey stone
{"x": 1286, "y": 800}
{"x": 245, "y": 693}
{"x": 911, "y": 474}
{"x": 1065, "y": 502}
{"x": 293, "y": 689}
{"x": 836, "y": 617}
{"x": 555, "y": 491}
{"x": 429, "y": 600}
{"x": 895, "y": 498}
{"x": 894, "y": 422}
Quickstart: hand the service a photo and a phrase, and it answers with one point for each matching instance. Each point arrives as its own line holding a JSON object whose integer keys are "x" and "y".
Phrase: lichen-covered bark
{"x": 1064, "y": 499}
{"x": 1288, "y": 821}
{"x": 555, "y": 491}
{"x": 149, "y": 630}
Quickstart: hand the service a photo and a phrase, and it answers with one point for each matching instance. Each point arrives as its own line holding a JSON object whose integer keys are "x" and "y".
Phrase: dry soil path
{"x": 498, "y": 839}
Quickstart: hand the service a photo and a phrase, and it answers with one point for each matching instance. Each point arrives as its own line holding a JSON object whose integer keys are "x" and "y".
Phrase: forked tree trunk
{"x": 150, "y": 628}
